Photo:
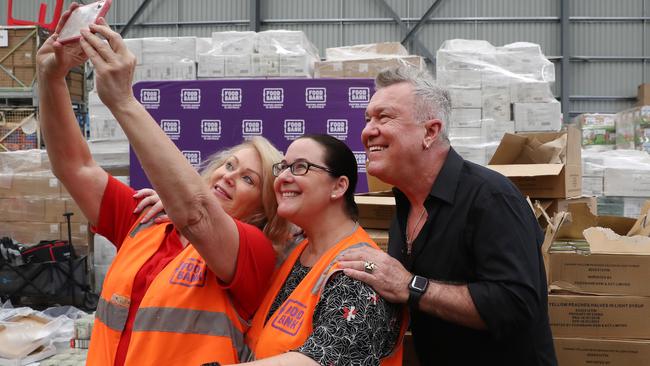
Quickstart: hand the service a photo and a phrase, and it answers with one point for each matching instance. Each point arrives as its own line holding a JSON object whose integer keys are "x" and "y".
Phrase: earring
{"x": 333, "y": 196}
{"x": 426, "y": 145}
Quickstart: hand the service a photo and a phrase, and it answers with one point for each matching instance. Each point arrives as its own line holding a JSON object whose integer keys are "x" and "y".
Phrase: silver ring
{"x": 369, "y": 267}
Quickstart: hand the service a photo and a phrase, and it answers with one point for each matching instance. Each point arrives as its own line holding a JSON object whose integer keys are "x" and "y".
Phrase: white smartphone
{"x": 81, "y": 18}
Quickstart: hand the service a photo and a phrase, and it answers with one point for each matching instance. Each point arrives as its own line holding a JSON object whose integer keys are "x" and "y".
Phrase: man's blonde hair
{"x": 274, "y": 227}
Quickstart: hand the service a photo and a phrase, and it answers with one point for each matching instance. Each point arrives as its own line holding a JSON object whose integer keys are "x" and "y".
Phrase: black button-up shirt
{"x": 480, "y": 232}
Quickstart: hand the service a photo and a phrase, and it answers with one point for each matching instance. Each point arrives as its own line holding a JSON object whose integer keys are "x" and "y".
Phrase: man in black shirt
{"x": 464, "y": 245}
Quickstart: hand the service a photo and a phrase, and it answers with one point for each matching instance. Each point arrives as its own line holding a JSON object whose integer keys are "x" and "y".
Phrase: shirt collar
{"x": 447, "y": 180}
{"x": 444, "y": 187}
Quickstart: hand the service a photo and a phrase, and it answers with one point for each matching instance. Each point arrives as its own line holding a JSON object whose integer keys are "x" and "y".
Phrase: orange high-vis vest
{"x": 290, "y": 326}
{"x": 185, "y": 317}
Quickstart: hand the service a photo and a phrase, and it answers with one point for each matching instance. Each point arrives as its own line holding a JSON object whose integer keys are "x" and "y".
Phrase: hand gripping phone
{"x": 81, "y": 18}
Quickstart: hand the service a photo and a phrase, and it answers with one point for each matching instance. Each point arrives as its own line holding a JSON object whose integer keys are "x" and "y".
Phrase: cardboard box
{"x": 460, "y": 78}
{"x": 626, "y": 182}
{"x": 328, "y": 69}
{"x": 265, "y": 65}
{"x": 31, "y": 232}
{"x": 377, "y": 185}
{"x": 465, "y": 98}
{"x": 41, "y": 184}
{"x": 380, "y": 237}
{"x": 643, "y": 95}
{"x": 496, "y": 102}
{"x": 537, "y": 116}
{"x": 613, "y": 265}
{"x": 544, "y": 180}
{"x": 375, "y": 212}
{"x": 369, "y": 68}
{"x": 300, "y": 65}
{"x": 531, "y": 92}
{"x": 599, "y": 316}
{"x": 592, "y": 186}
{"x": 32, "y": 209}
{"x": 465, "y": 117}
{"x": 211, "y": 66}
{"x": 238, "y": 66}
{"x": 612, "y": 352}
{"x": 562, "y": 204}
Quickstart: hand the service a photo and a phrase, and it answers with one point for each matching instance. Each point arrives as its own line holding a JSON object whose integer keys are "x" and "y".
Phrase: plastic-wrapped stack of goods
{"x": 83, "y": 328}
{"x": 273, "y": 53}
{"x": 33, "y": 201}
{"x": 633, "y": 129}
{"x": 495, "y": 90}
{"x": 103, "y": 253}
{"x": 598, "y": 131}
{"x": 164, "y": 58}
{"x": 107, "y": 141}
{"x": 619, "y": 178}
{"x": 364, "y": 61}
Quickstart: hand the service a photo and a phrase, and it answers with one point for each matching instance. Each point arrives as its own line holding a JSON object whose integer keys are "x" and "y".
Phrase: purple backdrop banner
{"x": 204, "y": 116}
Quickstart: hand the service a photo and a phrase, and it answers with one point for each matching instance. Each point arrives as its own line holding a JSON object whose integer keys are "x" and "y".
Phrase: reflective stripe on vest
{"x": 186, "y": 321}
{"x": 326, "y": 273}
{"x": 112, "y": 315}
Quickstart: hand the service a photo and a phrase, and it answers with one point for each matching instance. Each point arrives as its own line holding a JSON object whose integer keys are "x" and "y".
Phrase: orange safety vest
{"x": 290, "y": 326}
{"x": 185, "y": 317}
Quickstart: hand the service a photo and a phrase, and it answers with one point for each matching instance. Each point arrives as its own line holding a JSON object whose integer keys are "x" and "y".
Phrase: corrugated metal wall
{"x": 609, "y": 40}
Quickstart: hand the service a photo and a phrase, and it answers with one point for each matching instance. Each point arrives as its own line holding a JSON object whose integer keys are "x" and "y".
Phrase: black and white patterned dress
{"x": 352, "y": 324}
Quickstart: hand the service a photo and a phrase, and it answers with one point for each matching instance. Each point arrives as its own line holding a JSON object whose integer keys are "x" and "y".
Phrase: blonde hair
{"x": 274, "y": 227}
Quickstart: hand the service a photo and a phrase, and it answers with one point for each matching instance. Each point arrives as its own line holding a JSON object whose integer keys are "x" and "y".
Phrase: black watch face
{"x": 419, "y": 283}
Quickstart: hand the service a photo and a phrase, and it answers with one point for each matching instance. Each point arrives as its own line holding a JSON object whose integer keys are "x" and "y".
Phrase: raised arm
{"x": 69, "y": 155}
{"x": 188, "y": 201}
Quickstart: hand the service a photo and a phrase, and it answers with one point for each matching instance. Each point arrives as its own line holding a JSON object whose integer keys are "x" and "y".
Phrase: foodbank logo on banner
{"x": 231, "y": 98}
{"x": 211, "y": 129}
{"x": 315, "y": 97}
{"x": 358, "y": 97}
{"x": 171, "y": 127}
{"x": 273, "y": 98}
{"x": 294, "y": 128}
{"x": 338, "y": 128}
{"x": 251, "y": 128}
{"x": 150, "y": 98}
{"x": 193, "y": 157}
{"x": 361, "y": 160}
{"x": 190, "y": 98}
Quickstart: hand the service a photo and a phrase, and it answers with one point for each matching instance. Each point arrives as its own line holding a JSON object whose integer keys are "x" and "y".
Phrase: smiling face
{"x": 301, "y": 198}
{"x": 392, "y": 135}
{"x": 237, "y": 183}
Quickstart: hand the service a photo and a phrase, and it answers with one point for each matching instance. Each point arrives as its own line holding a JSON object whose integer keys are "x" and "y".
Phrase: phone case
{"x": 81, "y": 18}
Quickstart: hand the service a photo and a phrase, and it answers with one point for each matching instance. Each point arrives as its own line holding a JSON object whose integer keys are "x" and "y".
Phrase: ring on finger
{"x": 369, "y": 267}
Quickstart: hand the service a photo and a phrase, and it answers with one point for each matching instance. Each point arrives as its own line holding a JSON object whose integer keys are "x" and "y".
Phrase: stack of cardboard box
{"x": 495, "y": 90}
{"x": 365, "y": 60}
{"x": 272, "y": 53}
{"x": 18, "y": 60}
{"x": 599, "y": 306}
{"x": 33, "y": 201}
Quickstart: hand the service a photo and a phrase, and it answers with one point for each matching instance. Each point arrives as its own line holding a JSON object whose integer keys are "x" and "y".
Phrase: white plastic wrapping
{"x": 508, "y": 87}
{"x": 275, "y": 53}
{"x": 24, "y": 331}
{"x": 365, "y": 51}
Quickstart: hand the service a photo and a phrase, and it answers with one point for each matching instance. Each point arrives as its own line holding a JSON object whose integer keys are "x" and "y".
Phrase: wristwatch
{"x": 417, "y": 287}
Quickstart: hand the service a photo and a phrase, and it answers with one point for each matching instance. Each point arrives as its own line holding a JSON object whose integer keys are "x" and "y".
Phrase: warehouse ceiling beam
{"x": 134, "y": 17}
{"x": 565, "y": 31}
{"x": 256, "y": 18}
{"x": 422, "y": 20}
{"x": 424, "y": 51}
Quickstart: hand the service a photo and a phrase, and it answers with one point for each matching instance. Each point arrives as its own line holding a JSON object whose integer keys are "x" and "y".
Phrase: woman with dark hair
{"x": 313, "y": 314}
